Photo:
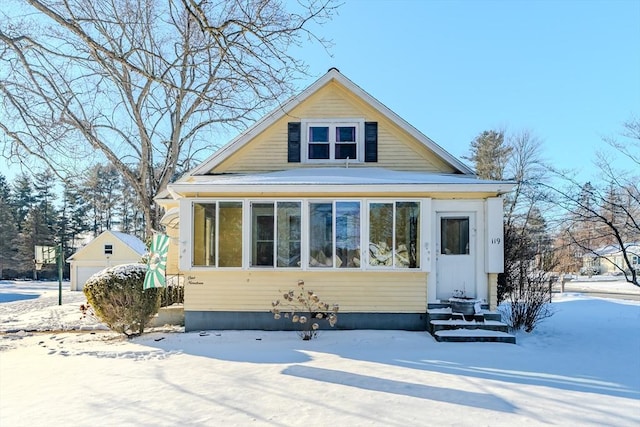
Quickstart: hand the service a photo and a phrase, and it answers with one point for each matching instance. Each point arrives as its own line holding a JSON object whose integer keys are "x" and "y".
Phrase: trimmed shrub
{"x": 117, "y": 297}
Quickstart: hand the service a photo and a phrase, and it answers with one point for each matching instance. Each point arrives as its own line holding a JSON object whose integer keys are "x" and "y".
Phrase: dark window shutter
{"x": 371, "y": 141}
{"x": 293, "y": 139}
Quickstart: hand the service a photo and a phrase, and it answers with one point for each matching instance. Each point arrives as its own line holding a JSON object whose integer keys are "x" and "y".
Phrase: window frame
{"x": 332, "y": 124}
{"x": 186, "y": 261}
{"x": 334, "y": 235}
{"x": 216, "y": 242}
{"x": 422, "y": 233}
{"x": 276, "y": 241}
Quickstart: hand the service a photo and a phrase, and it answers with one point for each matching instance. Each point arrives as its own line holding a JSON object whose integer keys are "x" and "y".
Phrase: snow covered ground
{"x": 580, "y": 367}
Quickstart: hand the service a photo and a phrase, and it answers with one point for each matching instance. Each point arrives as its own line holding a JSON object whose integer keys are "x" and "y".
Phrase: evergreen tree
{"x": 73, "y": 218}
{"x": 490, "y": 154}
{"x": 102, "y": 191}
{"x": 8, "y": 229}
{"x": 35, "y": 232}
{"x": 23, "y": 199}
{"x": 44, "y": 197}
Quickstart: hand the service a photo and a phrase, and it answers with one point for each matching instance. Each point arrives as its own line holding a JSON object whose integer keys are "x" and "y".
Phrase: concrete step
{"x": 474, "y": 335}
{"x": 452, "y": 324}
{"x": 445, "y": 313}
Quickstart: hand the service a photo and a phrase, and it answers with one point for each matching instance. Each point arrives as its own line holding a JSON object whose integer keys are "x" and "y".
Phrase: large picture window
{"x": 394, "y": 234}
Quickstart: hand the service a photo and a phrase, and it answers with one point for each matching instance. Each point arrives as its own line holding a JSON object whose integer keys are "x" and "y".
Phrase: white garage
{"x": 108, "y": 249}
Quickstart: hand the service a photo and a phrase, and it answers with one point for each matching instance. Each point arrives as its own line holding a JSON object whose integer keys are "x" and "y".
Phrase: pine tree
{"x": 22, "y": 199}
{"x": 8, "y": 229}
{"x": 490, "y": 154}
{"x": 102, "y": 191}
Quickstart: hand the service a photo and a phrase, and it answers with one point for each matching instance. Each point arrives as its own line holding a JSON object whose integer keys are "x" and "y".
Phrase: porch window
{"x": 320, "y": 234}
{"x": 269, "y": 234}
{"x": 275, "y": 234}
{"x": 394, "y": 234}
{"x": 217, "y": 219}
{"x": 334, "y": 235}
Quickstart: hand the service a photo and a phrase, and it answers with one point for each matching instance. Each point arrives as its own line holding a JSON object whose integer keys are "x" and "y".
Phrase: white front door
{"x": 455, "y": 254}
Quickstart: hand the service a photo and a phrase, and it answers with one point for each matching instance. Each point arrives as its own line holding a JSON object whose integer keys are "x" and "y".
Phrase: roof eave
{"x": 197, "y": 190}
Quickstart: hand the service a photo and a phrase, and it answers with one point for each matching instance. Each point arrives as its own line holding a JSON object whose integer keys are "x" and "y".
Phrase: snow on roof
{"x": 132, "y": 241}
{"x": 340, "y": 176}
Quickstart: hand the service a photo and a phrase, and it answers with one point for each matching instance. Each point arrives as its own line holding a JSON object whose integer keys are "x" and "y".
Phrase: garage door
{"x": 83, "y": 273}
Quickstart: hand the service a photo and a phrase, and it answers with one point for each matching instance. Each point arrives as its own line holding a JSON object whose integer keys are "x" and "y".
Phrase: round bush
{"x": 117, "y": 297}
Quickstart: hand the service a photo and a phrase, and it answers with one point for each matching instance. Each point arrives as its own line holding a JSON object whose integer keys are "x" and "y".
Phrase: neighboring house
{"x": 608, "y": 259}
{"x": 108, "y": 249}
{"x": 335, "y": 189}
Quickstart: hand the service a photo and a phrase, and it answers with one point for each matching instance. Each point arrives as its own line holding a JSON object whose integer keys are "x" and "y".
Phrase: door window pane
{"x": 320, "y": 235}
{"x": 454, "y": 236}
{"x": 347, "y": 234}
{"x": 230, "y": 232}
{"x": 289, "y": 231}
{"x": 262, "y": 234}
{"x": 381, "y": 234}
{"x": 407, "y": 235}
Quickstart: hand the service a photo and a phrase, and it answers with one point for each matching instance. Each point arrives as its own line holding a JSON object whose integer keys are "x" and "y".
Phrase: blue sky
{"x": 567, "y": 70}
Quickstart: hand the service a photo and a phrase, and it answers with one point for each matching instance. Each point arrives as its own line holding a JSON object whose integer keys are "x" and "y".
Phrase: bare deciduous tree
{"x": 527, "y": 245}
{"x": 609, "y": 210}
{"x": 141, "y": 83}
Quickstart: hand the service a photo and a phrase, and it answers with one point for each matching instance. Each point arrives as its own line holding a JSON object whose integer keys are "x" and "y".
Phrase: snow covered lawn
{"x": 581, "y": 367}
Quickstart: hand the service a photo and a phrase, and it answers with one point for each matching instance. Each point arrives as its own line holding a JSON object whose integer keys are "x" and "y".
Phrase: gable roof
{"x": 332, "y": 75}
{"x": 128, "y": 240}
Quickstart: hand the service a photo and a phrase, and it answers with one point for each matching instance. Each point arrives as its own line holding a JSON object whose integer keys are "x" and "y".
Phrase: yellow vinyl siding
{"x": 493, "y": 290}
{"x": 396, "y": 148}
{"x": 172, "y": 254}
{"x": 94, "y": 250}
{"x": 385, "y": 292}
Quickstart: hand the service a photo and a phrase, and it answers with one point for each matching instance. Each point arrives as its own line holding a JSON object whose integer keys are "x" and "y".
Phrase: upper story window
{"x": 108, "y": 249}
{"x": 329, "y": 141}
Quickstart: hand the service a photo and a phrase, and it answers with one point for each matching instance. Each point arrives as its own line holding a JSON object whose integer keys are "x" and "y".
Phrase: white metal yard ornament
{"x": 157, "y": 263}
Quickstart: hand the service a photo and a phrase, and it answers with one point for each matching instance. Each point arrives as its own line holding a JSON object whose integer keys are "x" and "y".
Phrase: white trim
{"x": 201, "y": 189}
{"x": 462, "y": 207}
{"x": 332, "y": 124}
{"x": 186, "y": 233}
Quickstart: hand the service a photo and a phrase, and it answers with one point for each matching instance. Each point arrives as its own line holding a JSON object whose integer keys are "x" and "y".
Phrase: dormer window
{"x": 333, "y": 141}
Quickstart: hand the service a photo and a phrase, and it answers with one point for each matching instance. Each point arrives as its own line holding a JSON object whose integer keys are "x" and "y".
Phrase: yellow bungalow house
{"x": 335, "y": 189}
